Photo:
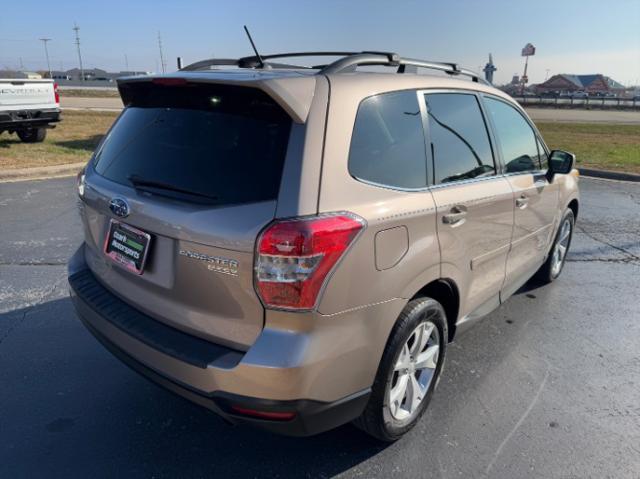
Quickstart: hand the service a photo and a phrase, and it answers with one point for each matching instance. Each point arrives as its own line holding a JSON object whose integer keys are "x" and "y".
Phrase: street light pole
{"x": 46, "y": 52}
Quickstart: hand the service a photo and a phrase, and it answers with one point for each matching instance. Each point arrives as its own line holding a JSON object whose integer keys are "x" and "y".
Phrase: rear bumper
{"x": 21, "y": 119}
{"x": 218, "y": 378}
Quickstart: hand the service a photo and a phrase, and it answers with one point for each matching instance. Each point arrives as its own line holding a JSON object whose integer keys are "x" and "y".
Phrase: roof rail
{"x": 386, "y": 59}
{"x": 349, "y": 62}
{"x": 253, "y": 61}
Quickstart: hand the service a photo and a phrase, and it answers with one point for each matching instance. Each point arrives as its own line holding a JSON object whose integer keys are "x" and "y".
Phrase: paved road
{"x": 578, "y": 115}
{"x": 537, "y": 114}
{"x": 546, "y": 386}
{"x": 80, "y": 103}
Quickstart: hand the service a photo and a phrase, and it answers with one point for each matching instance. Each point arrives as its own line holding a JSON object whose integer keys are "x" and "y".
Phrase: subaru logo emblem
{"x": 119, "y": 207}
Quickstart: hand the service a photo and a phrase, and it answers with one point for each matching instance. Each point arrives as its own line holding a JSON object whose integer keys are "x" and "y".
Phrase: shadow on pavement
{"x": 72, "y": 409}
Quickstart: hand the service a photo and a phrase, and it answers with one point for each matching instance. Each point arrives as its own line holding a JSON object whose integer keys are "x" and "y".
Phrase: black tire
{"x": 546, "y": 273}
{"x": 33, "y": 135}
{"x": 376, "y": 419}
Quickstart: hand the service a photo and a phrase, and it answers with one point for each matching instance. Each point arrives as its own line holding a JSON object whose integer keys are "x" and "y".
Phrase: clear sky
{"x": 581, "y": 36}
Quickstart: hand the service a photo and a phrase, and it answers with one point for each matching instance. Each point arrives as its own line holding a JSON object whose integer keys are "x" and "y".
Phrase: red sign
{"x": 528, "y": 50}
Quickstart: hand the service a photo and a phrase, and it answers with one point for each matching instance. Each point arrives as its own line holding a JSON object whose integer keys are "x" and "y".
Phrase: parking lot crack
{"x": 33, "y": 263}
{"x": 611, "y": 245}
{"x": 518, "y": 424}
{"x": 632, "y": 261}
{"x": 27, "y": 309}
{"x": 15, "y": 325}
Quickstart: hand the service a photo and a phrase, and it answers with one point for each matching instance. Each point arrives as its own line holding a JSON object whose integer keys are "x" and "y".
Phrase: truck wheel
{"x": 34, "y": 135}
{"x": 408, "y": 372}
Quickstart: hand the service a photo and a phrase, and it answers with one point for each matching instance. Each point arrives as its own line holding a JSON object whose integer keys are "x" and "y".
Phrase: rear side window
{"x": 459, "y": 138}
{"x": 198, "y": 143}
{"x": 516, "y": 138}
{"x": 387, "y": 145}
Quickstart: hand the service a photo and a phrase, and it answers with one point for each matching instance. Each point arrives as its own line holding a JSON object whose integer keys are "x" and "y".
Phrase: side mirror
{"x": 560, "y": 162}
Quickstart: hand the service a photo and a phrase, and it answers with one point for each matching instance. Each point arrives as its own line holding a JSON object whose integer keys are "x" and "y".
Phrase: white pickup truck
{"x": 28, "y": 108}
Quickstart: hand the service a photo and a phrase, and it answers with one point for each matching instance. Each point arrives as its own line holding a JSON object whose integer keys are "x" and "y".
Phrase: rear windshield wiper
{"x": 140, "y": 183}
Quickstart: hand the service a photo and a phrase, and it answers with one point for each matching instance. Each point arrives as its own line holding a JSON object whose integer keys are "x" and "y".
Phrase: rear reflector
{"x": 80, "y": 183}
{"x": 270, "y": 415}
{"x": 295, "y": 257}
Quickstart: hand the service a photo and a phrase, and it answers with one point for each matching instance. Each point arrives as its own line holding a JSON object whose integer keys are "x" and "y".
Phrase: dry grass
{"x": 606, "y": 147}
{"x": 73, "y": 140}
{"x": 610, "y": 147}
{"x": 102, "y": 93}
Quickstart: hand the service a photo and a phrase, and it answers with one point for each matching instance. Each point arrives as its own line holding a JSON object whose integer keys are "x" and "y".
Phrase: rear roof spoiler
{"x": 293, "y": 94}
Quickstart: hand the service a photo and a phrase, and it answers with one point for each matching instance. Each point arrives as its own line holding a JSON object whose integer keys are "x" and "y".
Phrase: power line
{"x": 76, "y": 28}
{"x": 46, "y": 52}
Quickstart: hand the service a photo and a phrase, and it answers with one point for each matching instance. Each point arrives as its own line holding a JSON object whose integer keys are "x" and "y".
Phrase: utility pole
{"x": 46, "y": 52}
{"x": 76, "y": 28}
{"x": 162, "y": 62}
{"x": 126, "y": 62}
{"x": 21, "y": 64}
{"x": 547, "y": 75}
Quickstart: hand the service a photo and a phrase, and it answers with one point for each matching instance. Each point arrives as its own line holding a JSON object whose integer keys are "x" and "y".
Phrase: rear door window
{"x": 198, "y": 143}
{"x": 459, "y": 138}
{"x": 387, "y": 145}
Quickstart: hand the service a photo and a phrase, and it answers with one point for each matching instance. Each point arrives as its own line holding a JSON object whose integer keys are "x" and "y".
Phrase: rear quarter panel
{"x": 360, "y": 278}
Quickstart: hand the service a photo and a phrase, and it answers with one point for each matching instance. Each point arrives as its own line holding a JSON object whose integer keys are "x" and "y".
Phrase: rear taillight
{"x": 295, "y": 256}
{"x": 55, "y": 93}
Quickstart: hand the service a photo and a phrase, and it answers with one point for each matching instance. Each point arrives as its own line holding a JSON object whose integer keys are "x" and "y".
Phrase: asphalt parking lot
{"x": 546, "y": 386}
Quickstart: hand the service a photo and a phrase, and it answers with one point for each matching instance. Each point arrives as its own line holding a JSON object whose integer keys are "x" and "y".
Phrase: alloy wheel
{"x": 414, "y": 371}
{"x": 560, "y": 249}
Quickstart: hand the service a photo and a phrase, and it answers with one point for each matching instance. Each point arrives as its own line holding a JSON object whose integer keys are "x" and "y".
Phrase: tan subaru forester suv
{"x": 294, "y": 247}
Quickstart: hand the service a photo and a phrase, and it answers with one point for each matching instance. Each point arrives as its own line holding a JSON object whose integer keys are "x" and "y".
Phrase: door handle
{"x": 457, "y": 214}
{"x": 522, "y": 201}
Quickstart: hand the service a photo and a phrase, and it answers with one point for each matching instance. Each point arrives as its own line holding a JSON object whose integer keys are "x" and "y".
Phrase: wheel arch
{"x": 445, "y": 291}
{"x": 574, "y": 206}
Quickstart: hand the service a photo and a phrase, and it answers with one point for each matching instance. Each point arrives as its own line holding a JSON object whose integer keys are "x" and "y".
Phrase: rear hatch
{"x": 198, "y": 166}
{"x": 27, "y": 94}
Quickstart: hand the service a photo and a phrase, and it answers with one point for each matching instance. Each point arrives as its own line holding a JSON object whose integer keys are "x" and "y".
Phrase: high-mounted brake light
{"x": 295, "y": 256}
{"x": 56, "y": 94}
{"x": 169, "y": 81}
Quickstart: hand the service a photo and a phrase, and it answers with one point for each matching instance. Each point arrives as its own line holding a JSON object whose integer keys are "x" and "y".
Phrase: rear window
{"x": 198, "y": 143}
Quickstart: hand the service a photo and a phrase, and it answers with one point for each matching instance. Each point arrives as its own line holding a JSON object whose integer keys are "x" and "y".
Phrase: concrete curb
{"x": 609, "y": 175}
{"x": 41, "y": 172}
